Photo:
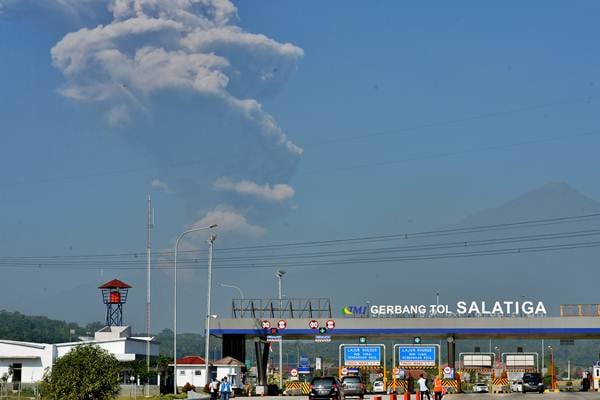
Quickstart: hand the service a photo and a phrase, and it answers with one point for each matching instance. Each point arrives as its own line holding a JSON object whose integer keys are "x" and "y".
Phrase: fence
{"x": 19, "y": 390}
{"x": 30, "y": 391}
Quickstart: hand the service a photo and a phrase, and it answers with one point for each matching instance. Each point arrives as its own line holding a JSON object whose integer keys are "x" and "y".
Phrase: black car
{"x": 532, "y": 382}
{"x": 325, "y": 387}
{"x": 353, "y": 386}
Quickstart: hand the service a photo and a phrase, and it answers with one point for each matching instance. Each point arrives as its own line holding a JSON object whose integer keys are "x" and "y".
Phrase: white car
{"x": 378, "y": 387}
{"x": 480, "y": 388}
{"x": 516, "y": 386}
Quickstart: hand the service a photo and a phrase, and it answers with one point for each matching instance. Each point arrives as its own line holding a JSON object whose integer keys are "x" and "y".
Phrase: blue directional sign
{"x": 417, "y": 356}
{"x": 362, "y": 355}
{"x": 304, "y": 362}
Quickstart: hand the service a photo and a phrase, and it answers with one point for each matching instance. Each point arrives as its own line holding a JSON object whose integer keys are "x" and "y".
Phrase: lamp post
{"x": 279, "y": 275}
{"x": 228, "y": 285}
{"x": 553, "y": 367}
{"x": 211, "y": 241}
{"x": 175, "y": 300}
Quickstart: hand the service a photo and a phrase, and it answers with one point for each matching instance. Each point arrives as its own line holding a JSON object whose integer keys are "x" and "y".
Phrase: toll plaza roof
{"x": 439, "y": 327}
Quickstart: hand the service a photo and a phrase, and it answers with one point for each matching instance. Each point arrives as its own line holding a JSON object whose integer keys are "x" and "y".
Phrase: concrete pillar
{"x": 451, "y": 352}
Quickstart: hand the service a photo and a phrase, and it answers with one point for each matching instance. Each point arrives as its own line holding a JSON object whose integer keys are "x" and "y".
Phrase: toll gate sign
{"x": 417, "y": 356}
{"x": 362, "y": 355}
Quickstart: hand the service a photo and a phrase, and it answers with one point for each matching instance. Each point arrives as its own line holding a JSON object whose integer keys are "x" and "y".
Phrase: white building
{"x": 192, "y": 370}
{"x": 26, "y": 362}
{"x": 118, "y": 341}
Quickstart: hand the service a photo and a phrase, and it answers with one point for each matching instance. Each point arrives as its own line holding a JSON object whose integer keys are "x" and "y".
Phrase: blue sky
{"x": 409, "y": 117}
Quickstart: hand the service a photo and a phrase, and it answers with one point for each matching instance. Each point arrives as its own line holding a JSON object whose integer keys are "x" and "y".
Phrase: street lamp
{"x": 175, "y": 300}
{"x": 228, "y": 285}
{"x": 211, "y": 241}
{"x": 280, "y": 273}
{"x": 553, "y": 367}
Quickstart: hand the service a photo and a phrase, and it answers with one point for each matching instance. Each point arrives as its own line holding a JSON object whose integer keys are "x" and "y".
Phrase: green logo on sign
{"x": 362, "y": 340}
{"x": 417, "y": 340}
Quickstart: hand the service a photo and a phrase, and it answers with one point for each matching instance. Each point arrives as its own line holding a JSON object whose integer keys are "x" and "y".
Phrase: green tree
{"x": 85, "y": 373}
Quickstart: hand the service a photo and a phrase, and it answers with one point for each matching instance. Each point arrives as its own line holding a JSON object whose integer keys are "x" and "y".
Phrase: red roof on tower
{"x": 115, "y": 284}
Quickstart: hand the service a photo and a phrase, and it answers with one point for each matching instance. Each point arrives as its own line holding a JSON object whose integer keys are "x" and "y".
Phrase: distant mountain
{"x": 551, "y": 200}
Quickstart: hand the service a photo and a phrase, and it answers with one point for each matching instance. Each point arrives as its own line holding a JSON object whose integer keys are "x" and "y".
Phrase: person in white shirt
{"x": 423, "y": 387}
{"x": 213, "y": 387}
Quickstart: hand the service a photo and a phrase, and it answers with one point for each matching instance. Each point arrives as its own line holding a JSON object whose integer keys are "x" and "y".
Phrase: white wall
{"x": 187, "y": 373}
{"x": 35, "y": 358}
{"x": 122, "y": 349}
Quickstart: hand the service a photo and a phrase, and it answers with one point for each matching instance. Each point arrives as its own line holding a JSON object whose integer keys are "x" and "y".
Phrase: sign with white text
{"x": 362, "y": 355}
{"x": 416, "y": 356}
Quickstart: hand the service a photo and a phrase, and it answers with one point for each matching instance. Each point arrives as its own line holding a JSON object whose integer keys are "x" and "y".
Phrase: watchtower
{"x": 114, "y": 295}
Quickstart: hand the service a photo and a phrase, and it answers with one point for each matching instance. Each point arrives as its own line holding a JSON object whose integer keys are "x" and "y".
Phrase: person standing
{"x": 213, "y": 388}
{"x": 225, "y": 389}
{"x": 423, "y": 387}
{"x": 437, "y": 388}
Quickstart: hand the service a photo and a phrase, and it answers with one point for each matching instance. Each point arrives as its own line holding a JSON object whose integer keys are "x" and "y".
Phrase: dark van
{"x": 533, "y": 382}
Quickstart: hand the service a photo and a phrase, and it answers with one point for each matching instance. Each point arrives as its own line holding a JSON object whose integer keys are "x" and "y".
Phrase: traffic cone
{"x": 418, "y": 396}
{"x": 393, "y": 396}
{"x": 406, "y": 395}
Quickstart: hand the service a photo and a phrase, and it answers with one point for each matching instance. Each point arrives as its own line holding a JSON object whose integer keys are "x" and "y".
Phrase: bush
{"x": 187, "y": 387}
{"x": 86, "y": 372}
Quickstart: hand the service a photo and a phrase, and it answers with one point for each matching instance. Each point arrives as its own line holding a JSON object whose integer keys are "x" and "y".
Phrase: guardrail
{"x": 580, "y": 310}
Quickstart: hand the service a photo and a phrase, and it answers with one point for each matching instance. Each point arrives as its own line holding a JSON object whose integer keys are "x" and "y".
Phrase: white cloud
{"x": 230, "y": 221}
{"x": 275, "y": 193}
{"x": 190, "y": 46}
{"x": 190, "y": 83}
{"x": 160, "y": 185}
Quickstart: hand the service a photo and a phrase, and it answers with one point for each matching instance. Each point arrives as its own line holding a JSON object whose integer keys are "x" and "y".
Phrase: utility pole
{"x": 279, "y": 275}
{"x": 149, "y": 227}
{"x": 211, "y": 241}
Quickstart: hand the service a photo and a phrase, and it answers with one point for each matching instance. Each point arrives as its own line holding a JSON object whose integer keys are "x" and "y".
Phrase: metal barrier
{"x": 580, "y": 310}
{"x": 302, "y": 387}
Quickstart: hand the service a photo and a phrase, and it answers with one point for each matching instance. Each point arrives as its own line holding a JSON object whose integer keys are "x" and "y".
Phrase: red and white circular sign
{"x": 313, "y": 324}
{"x": 294, "y": 372}
{"x": 395, "y": 371}
{"x": 344, "y": 371}
{"x": 281, "y": 324}
{"x": 265, "y": 324}
{"x": 330, "y": 324}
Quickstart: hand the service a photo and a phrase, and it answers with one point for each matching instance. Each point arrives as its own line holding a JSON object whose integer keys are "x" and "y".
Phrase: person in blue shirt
{"x": 225, "y": 389}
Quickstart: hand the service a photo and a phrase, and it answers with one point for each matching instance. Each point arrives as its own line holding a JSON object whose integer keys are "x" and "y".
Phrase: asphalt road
{"x": 472, "y": 396}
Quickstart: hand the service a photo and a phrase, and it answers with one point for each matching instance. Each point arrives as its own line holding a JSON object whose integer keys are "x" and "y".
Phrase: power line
{"x": 481, "y": 149}
{"x": 345, "y": 262}
{"x": 138, "y": 257}
{"x": 437, "y": 124}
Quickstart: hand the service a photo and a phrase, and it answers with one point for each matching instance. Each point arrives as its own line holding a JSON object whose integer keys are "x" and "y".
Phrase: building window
{"x": 197, "y": 372}
{"x": 181, "y": 372}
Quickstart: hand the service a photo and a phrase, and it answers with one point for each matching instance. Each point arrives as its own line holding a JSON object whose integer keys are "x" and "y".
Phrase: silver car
{"x": 480, "y": 388}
